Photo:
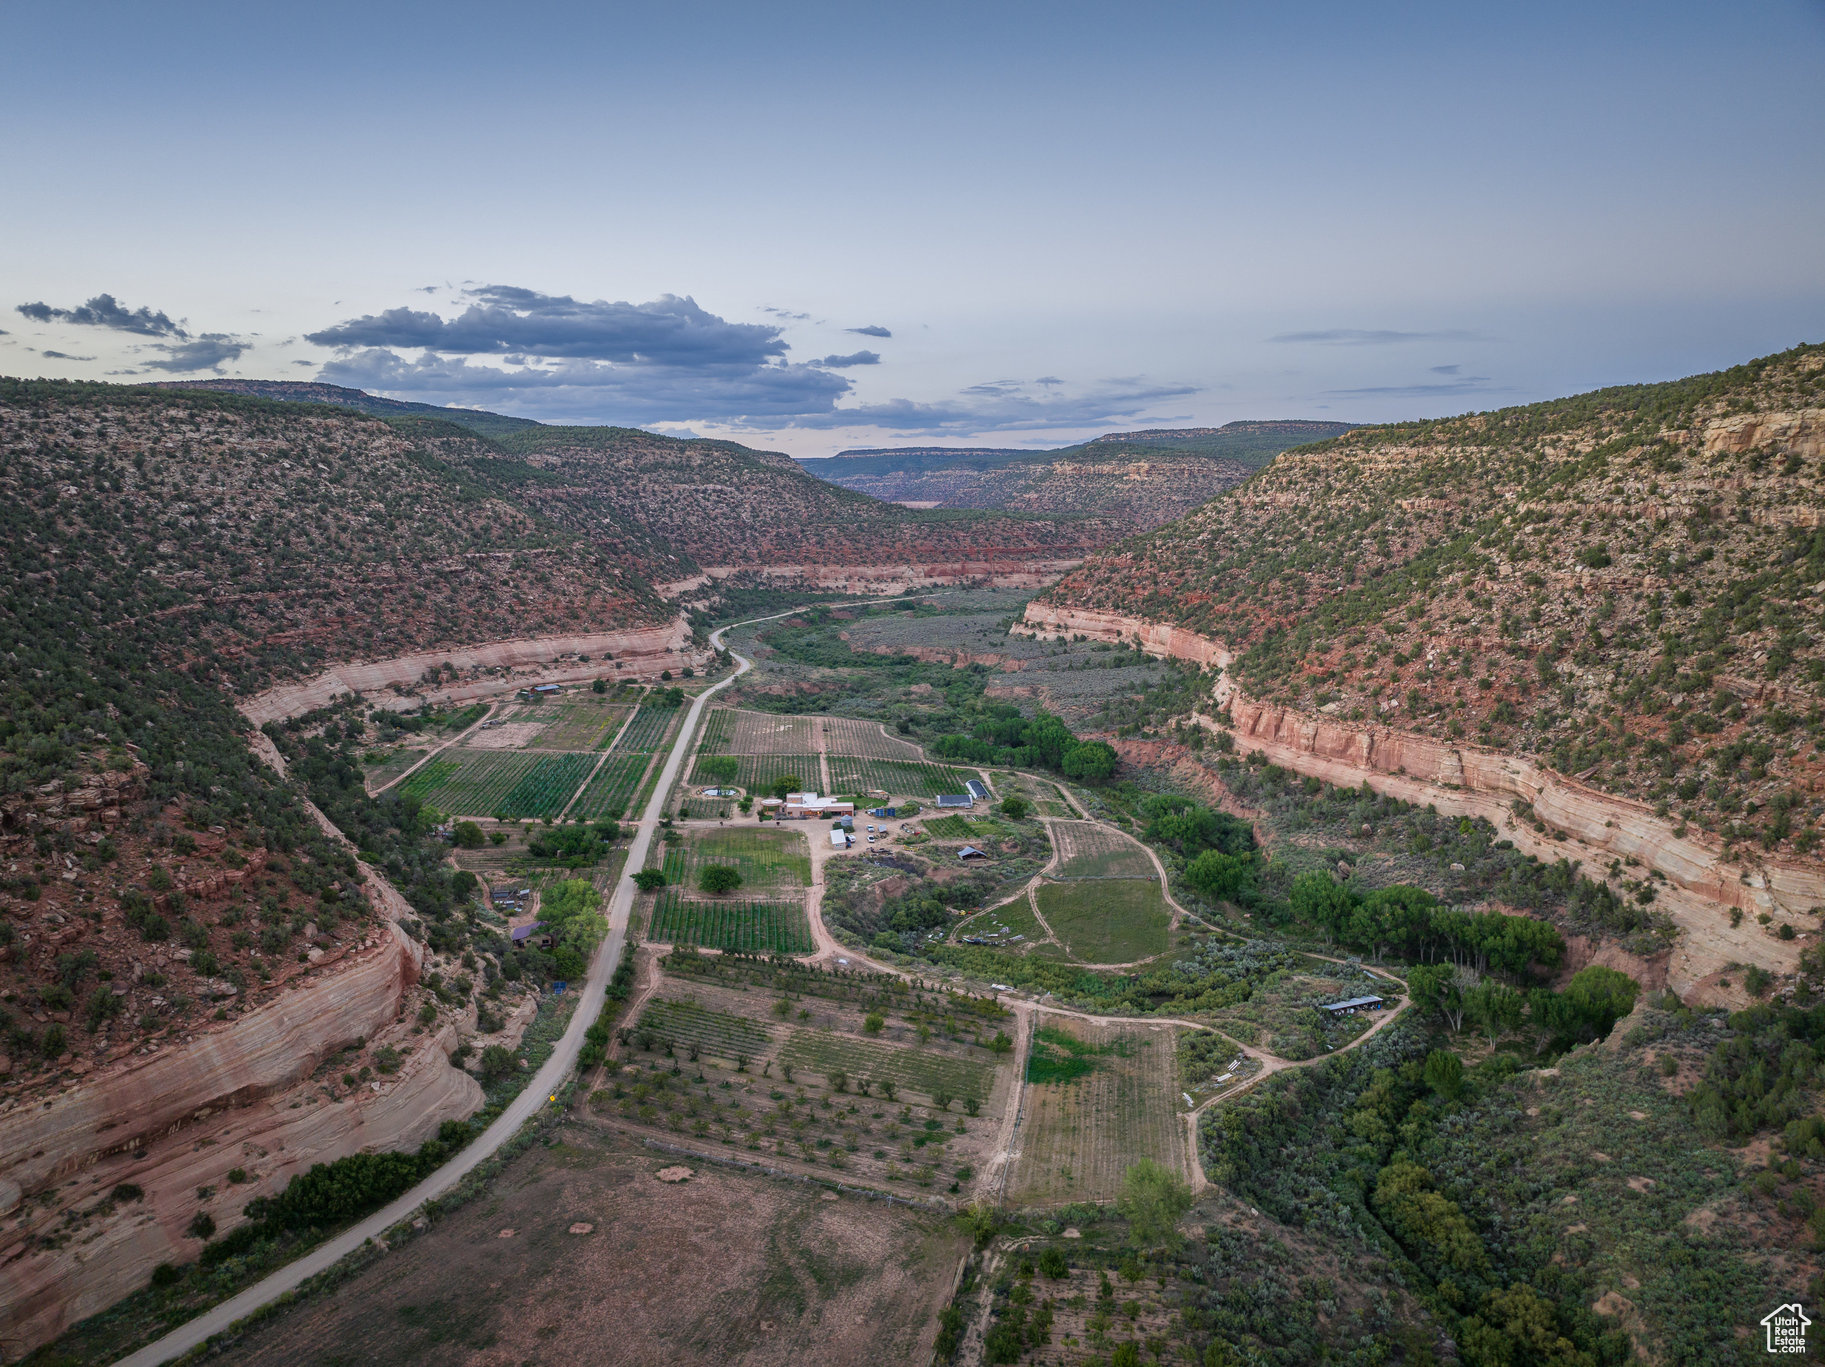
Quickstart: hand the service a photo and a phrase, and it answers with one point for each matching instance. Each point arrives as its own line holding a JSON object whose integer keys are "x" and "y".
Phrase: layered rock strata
{"x": 1701, "y": 890}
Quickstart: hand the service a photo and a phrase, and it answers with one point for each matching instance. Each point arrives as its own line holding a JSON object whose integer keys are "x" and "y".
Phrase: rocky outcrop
{"x": 1701, "y": 890}
{"x": 634, "y": 647}
{"x": 178, "y": 1120}
{"x": 1012, "y": 571}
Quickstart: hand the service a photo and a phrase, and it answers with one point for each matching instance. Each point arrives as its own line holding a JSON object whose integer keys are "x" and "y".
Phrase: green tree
{"x": 1495, "y": 1008}
{"x": 497, "y": 1062}
{"x": 1015, "y": 807}
{"x": 1600, "y": 997}
{"x": 719, "y": 878}
{"x": 468, "y": 835}
{"x": 1444, "y": 1073}
{"x": 649, "y": 880}
{"x": 1091, "y": 762}
{"x": 719, "y": 769}
{"x": 1152, "y": 1200}
{"x": 1222, "y": 877}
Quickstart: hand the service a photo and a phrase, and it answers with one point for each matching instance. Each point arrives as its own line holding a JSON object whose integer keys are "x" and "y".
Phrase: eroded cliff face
{"x": 179, "y": 1119}
{"x": 1702, "y": 890}
{"x": 461, "y": 674}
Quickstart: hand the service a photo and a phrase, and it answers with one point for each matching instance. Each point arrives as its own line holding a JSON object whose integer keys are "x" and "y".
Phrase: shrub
{"x": 202, "y": 1226}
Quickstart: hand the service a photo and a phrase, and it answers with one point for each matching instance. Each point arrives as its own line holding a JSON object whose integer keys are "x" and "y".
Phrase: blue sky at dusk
{"x": 810, "y": 227}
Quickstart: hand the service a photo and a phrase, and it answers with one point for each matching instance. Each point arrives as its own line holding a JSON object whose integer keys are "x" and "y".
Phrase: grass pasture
{"x": 766, "y": 859}
{"x": 683, "y": 1024}
{"x": 1107, "y": 921}
{"x": 922, "y": 1071}
{"x": 1101, "y": 1097}
{"x": 747, "y": 927}
{"x": 1087, "y": 850}
{"x": 896, "y": 778}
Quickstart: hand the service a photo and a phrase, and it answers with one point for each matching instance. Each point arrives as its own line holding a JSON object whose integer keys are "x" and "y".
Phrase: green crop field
{"x": 757, "y": 773}
{"x": 896, "y": 778}
{"x": 853, "y": 736}
{"x": 1108, "y": 921}
{"x": 913, "y": 1070}
{"x": 978, "y": 829}
{"x": 1000, "y": 924}
{"x": 745, "y": 927}
{"x": 473, "y": 782}
{"x": 682, "y": 1024}
{"x": 765, "y": 859}
{"x": 613, "y": 786}
{"x": 648, "y": 730}
{"x": 545, "y": 790}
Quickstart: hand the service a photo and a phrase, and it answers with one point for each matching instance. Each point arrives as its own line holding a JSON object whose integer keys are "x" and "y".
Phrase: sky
{"x": 814, "y": 227}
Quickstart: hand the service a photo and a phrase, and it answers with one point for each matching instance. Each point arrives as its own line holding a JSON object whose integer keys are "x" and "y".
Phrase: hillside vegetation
{"x": 1626, "y": 584}
{"x": 1141, "y": 478}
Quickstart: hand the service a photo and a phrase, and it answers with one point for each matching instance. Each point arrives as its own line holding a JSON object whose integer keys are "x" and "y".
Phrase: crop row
{"x": 612, "y": 787}
{"x": 473, "y": 782}
{"x": 746, "y": 927}
{"x": 853, "y": 736}
{"x": 647, "y": 731}
{"x": 682, "y": 1023}
{"x": 757, "y": 773}
{"x": 896, "y": 778}
{"x": 916, "y": 1070}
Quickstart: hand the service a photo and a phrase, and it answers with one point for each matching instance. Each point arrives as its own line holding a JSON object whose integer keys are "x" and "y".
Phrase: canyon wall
{"x": 177, "y": 1120}
{"x": 905, "y": 577}
{"x": 1701, "y": 889}
{"x": 643, "y": 650}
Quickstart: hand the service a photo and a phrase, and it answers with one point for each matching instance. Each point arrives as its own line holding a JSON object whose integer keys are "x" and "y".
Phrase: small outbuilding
{"x": 956, "y": 800}
{"x": 978, "y": 789}
{"x": 971, "y": 852}
{"x": 1352, "y": 1006}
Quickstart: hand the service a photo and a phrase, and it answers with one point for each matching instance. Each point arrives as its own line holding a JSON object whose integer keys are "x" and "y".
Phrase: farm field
{"x": 866, "y": 739}
{"x": 612, "y": 787}
{"x": 648, "y": 730}
{"x": 1107, "y": 921}
{"x": 684, "y": 1024}
{"x": 1087, "y": 850}
{"x": 467, "y": 782}
{"x": 782, "y": 1072}
{"x": 581, "y": 725}
{"x": 923, "y": 1071}
{"x": 1079, "y": 1135}
{"x": 896, "y": 778}
{"x": 731, "y": 731}
{"x": 757, "y": 773}
{"x": 683, "y": 1274}
{"x": 766, "y": 859}
{"x": 747, "y": 927}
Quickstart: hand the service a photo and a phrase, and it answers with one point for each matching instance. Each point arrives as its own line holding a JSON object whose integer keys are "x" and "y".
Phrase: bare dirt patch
{"x": 509, "y": 735}
{"x": 725, "y": 1268}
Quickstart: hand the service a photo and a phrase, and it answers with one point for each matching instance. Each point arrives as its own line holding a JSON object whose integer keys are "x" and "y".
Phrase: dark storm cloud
{"x": 508, "y": 320}
{"x": 1375, "y": 337}
{"x": 65, "y": 356}
{"x": 105, "y": 311}
{"x": 872, "y": 330}
{"x": 208, "y": 352}
{"x": 582, "y": 390}
{"x": 853, "y": 358}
